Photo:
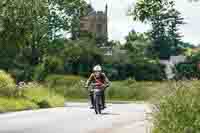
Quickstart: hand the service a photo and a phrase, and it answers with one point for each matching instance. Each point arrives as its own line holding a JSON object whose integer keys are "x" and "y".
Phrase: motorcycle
{"x": 97, "y": 93}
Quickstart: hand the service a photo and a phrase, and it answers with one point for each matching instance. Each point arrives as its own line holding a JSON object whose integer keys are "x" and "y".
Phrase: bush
{"x": 44, "y": 104}
{"x": 54, "y": 64}
{"x": 133, "y": 90}
{"x": 140, "y": 70}
{"x": 40, "y": 73}
{"x": 7, "y": 85}
{"x": 44, "y": 97}
{"x": 62, "y": 80}
{"x": 69, "y": 86}
{"x": 186, "y": 70}
{"x": 25, "y": 74}
{"x": 180, "y": 111}
{"x": 189, "y": 70}
{"x": 149, "y": 71}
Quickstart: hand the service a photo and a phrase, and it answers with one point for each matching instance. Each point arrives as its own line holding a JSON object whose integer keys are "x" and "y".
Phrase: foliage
{"x": 190, "y": 69}
{"x": 44, "y": 97}
{"x": 26, "y": 28}
{"x": 164, "y": 19}
{"x": 7, "y": 84}
{"x": 54, "y": 64}
{"x": 73, "y": 88}
{"x": 137, "y": 44}
{"x": 195, "y": 58}
{"x": 149, "y": 71}
{"x": 65, "y": 16}
{"x": 80, "y": 56}
{"x": 179, "y": 111}
{"x": 66, "y": 85}
{"x": 187, "y": 71}
{"x": 40, "y": 72}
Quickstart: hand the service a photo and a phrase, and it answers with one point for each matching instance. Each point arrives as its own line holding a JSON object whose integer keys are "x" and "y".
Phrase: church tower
{"x": 96, "y": 23}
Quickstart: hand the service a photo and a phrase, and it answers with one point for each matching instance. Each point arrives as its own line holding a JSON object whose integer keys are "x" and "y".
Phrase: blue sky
{"x": 120, "y": 24}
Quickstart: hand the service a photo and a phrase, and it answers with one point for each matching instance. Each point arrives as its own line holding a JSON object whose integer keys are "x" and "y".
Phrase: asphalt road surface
{"x": 78, "y": 118}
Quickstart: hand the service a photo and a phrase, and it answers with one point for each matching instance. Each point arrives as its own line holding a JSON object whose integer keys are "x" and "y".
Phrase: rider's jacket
{"x": 100, "y": 80}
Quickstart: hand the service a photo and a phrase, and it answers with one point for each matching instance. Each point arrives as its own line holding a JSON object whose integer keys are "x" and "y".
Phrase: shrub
{"x": 54, "y": 64}
{"x": 44, "y": 104}
{"x": 62, "y": 80}
{"x": 132, "y": 90}
{"x": 180, "y": 111}
{"x": 7, "y": 85}
{"x": 40, "y": 72}
{"x": 189, "y": 70}
{"x": 186, "y": 70}
{"x": 149, "y": 71}
{"x": 44, "y": 97}
{"x": 70, "y": 86}
{"x": 25, "y": 74}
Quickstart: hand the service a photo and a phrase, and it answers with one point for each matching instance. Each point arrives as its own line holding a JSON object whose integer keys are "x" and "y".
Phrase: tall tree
{"x": 24, "y": 26}
{"x": 137, "y": 44}
{"x": 164, "y": 19}
{"x": 64, "y": 15}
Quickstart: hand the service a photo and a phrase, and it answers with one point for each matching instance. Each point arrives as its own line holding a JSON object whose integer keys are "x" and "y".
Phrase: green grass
{"x": 179, "y": 112}
{"x": 34, "y": 97}
{"x": 16, "y": 104}
{"x": 72, "y": 88}
{"x": 30, "y": 96}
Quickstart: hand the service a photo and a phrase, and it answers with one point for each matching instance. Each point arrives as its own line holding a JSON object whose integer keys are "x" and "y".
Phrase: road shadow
{"x": 107, "y": 113}
{"x": 76, "y": 106}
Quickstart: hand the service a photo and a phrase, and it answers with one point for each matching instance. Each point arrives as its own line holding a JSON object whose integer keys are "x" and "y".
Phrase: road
{"x": 77, "y": 118}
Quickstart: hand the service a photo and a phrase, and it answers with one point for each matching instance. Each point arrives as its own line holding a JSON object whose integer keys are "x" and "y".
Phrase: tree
{"x": 164, "y": 19}
{"x": 83, "y": 53}
{"x": 64, "y": 15}
{"x": 24, "y": 26}
{"x": 137, "y": 44}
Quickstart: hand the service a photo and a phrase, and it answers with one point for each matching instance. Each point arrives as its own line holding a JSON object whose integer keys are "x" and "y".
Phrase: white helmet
{"x": 97, "y": 68}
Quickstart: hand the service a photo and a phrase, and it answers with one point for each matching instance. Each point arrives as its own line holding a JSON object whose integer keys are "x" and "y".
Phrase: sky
{"x": 119, "y": 24}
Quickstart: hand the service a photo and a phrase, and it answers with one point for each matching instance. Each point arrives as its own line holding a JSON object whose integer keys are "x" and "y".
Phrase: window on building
{"x": 82, "y": 25}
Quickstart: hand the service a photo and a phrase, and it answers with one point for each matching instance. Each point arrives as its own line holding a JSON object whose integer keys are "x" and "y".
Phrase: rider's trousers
{"x": 92, "y": 98}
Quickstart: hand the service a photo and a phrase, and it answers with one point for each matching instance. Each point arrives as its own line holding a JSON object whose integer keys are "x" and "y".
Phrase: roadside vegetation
{"x": 179, "y": 111}
{"x": 26, "y": 96}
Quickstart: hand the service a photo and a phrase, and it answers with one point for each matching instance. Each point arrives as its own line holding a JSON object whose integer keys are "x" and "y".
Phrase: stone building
{"x": 96, "y": 23}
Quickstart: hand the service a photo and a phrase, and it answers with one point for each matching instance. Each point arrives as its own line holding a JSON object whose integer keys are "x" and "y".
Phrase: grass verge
{"x": 16, "y": 104}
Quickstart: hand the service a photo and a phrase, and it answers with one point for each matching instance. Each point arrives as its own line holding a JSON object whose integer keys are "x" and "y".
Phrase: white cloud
{"x": 120, "y": 24}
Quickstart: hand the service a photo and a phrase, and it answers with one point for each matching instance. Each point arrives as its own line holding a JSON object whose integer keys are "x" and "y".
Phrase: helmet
{"x": 97, "y": 68}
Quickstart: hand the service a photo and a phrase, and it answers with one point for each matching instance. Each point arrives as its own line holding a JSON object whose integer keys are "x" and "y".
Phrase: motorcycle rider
{"x": 100, "y": 79}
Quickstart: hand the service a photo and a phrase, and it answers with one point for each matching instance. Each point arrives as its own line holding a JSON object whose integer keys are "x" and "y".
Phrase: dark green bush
{"x": 43, "y": 104}
{"x": 186, "y": 70}
{"x": 190, "y": 69}
{"x": 26, "y": 74}
{"x": 54, "y": 64}
{"x": 149, "y": 71}
{"x": 40, "y": 72}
